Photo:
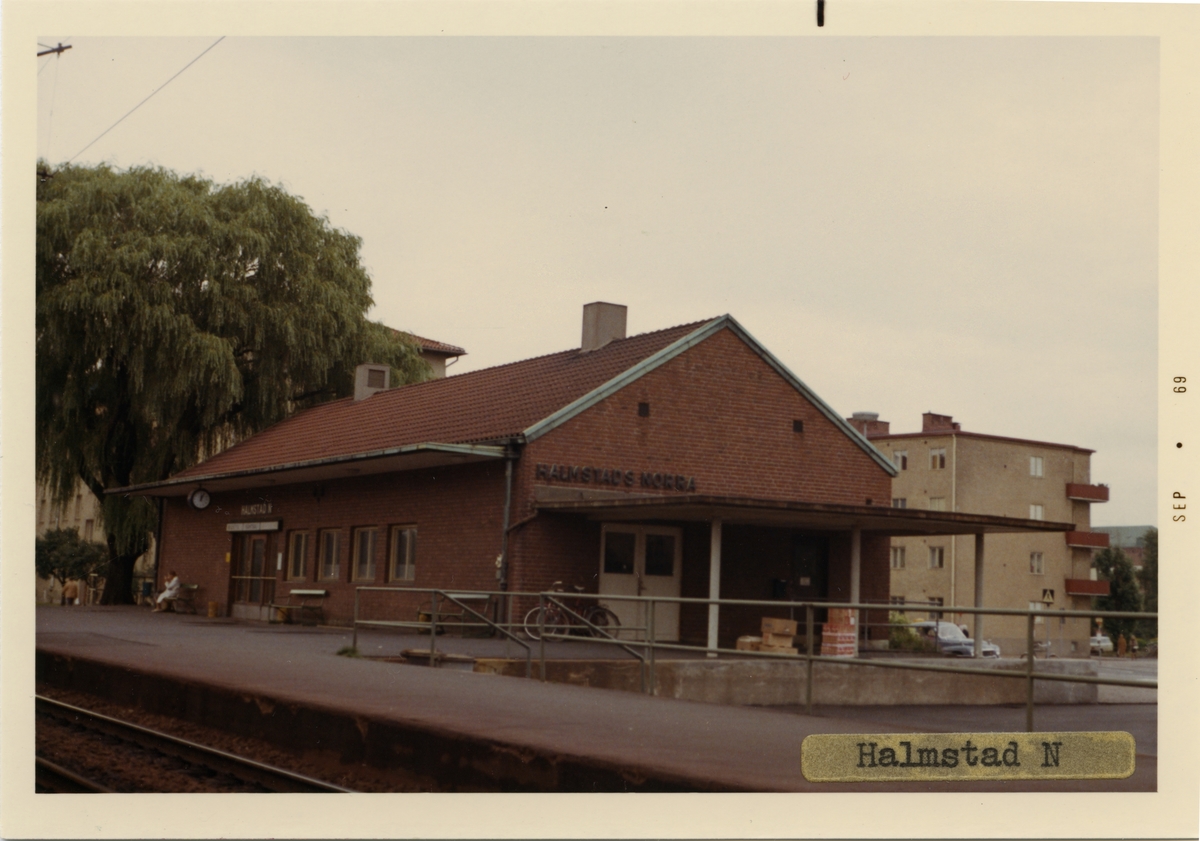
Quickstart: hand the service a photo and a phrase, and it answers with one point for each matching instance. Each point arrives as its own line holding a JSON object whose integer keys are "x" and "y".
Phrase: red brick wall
{"x": 458, "y": 513}
{"x": 720, "y": 414}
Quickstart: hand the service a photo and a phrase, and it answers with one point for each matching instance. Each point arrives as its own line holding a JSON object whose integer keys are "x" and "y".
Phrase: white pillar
{"x": 714, "y": 584}
{"x": 979, "y": 593}
{"x": 855, "y": 563}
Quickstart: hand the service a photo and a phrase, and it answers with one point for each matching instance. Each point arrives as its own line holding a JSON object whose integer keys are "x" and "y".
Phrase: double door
{"x": 642, "y": 561}
{"x": 252, "y": 578}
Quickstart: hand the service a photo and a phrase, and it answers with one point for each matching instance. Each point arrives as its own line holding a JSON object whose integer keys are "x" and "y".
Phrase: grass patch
{"x": 348, "y": 651}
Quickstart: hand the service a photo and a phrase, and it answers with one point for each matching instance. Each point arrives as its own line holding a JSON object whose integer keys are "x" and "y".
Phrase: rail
{"x": 268, "y": 776}
{"x": 455, "y": 597}
{"x": 651, "y": 646}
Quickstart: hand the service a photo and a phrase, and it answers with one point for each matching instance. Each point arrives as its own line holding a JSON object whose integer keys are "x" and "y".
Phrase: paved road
{"x": 715, "y": 746}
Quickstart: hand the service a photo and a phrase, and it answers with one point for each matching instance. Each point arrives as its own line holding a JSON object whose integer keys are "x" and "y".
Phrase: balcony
{"x": 1087, "y": 539}
{"x": 1085, "y": 587}
{"x": 1087, "y": 493}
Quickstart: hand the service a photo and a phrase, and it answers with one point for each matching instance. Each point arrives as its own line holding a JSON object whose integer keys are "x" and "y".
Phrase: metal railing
{"x": 455, "y": 597}
{"x": 650, "y": 645}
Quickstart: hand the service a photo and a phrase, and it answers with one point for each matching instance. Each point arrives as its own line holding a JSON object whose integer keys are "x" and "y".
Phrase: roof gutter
{"x": 475, "y": 450}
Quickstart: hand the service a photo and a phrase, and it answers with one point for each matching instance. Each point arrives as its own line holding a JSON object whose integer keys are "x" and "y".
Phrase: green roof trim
{"x": 689, "y": 341}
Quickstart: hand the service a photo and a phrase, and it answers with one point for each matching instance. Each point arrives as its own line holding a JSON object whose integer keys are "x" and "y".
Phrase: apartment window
{"x": 937, "y": 503}
{"x": 1037, "y": 563}
{"x": 1035, "y": 512}
{"x": 1037, "y": 606}
{"x": 899, "y": 502}
{"x": 88, "y": 527}
{"x": 298, "y": 556}
{"x": 364, "y": 554}
{"x": 402, "y": 554}
{"x": 900, "y": 459}
{"x": 896, "y": 600}
{"x": 1036, "y": 466}
{"x": 937, "y": 557}
{"x": 936, "y": 601}
{"x": 937, "y": 458}
{"x": 330, "y": 554}
{"x": 897, "y": 557}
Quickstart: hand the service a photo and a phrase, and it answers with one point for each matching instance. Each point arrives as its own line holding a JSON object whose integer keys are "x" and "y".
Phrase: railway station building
{"x": 684, "y": 462}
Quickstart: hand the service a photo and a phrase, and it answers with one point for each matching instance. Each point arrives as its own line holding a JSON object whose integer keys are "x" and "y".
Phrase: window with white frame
{"x": 1036, "y": 512}
{"x": 897, "y": 557}
{"x": 937, "y": 557}
{"x": 402, "y": 554}
{"x": 899, "y": 502}
{"x": 900, "y": 459}
{"x": 937, "y": 503}
{"x": 330, "y": 547}
{"x": 364, "y": 553}
{"x": 1037, "y": 606}
{"x": 1037, "y": 563}
{"x": 1036, "y": 466}
{"x": 298, "y": 556}
{"x": 937, "y": 458}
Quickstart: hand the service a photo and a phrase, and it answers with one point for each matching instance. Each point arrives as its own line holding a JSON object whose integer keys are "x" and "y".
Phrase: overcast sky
{"x": 959, "y": 225}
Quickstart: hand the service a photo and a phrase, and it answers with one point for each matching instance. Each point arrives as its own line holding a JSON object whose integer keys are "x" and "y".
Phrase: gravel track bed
{"x": 129, "y": 768}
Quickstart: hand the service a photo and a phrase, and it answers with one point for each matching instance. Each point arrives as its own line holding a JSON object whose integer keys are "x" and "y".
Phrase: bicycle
{"x": 597, "y": 619}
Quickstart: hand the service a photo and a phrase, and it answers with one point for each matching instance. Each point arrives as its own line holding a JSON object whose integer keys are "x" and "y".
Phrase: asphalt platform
{"x": 511, "y": 733}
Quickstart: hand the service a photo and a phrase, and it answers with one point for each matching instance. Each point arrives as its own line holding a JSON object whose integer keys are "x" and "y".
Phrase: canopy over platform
{"x": 897, "y": 522}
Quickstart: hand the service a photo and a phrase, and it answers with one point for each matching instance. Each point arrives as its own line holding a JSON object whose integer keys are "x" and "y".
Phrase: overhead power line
{"x": 59, "y": 49}
{"x": 147, "y": 99}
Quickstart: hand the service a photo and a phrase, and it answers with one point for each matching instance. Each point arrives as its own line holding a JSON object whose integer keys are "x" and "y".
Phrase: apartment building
{"x": 943, "y": 468}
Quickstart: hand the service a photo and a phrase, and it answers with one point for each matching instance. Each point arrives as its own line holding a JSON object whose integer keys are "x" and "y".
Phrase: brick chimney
{"x": 869, "y": 424}
{"x": 938, "y": 423}
{"x": 601, "y": 324}
{"x": 370, "y": 378}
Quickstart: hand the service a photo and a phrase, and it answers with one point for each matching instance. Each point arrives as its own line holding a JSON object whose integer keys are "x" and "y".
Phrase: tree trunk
{"x": 118, "y": 584}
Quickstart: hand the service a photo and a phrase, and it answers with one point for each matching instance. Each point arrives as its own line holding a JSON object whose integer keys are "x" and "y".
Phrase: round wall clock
{"x": 199, "y": 499}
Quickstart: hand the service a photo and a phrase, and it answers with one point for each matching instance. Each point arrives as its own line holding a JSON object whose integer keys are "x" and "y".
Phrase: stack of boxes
{"x": 778, "y": 636}
{"x": 839, "y": 635}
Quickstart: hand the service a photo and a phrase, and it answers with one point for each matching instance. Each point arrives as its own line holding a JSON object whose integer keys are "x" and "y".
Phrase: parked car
{"x": 1101, "y": 644}
{"x": 950, "y": 640}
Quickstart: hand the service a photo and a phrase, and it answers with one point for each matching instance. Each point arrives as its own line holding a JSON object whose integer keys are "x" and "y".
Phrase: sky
{"x": 960, "y": 225}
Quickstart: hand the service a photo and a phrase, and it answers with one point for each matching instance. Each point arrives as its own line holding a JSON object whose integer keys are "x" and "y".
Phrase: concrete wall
{"x": 767, "y": 683}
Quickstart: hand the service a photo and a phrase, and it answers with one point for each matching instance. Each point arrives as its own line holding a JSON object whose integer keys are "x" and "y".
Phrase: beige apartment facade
{"x": 943, "y": 468}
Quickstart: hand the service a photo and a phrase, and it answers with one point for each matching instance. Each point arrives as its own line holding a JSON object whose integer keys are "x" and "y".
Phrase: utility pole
{"x": 60, "y": 49}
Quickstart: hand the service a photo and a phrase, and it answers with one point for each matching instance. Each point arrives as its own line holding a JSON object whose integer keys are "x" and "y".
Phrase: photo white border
{"x": 1170, "y": 812}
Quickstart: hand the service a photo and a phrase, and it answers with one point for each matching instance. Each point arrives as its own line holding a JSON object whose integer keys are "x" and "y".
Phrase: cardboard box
{"x": 778, "y": 649}
{"x": 838, "y": 650}
{"x": 778, "y": 626}
{"x": 748, "y": 643}
{"x": 778, "y": 639}
{"x": 838, "y": 639}
{"x": 842, "y": 616}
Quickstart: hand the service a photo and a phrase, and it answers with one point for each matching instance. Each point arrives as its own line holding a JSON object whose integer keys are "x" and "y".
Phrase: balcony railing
{"x": 1087, "y": 539}
{"x": 1087, "y": 493}
{"x": 1086, "y": 587}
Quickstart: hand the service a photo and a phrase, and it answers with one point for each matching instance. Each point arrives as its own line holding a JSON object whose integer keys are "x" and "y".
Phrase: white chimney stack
{"x": 370, "y": 378}
{"x": 601, "y": 324}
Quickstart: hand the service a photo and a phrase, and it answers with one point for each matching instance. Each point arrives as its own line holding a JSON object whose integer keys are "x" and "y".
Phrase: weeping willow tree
{"x": 175, "y": 316}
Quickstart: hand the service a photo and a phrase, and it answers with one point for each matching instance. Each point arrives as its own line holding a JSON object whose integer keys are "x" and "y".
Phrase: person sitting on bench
{"x": 169, "y": 593}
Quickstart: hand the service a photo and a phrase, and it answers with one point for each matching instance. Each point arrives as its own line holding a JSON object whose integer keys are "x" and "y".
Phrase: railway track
{"x": 53, "y": 777}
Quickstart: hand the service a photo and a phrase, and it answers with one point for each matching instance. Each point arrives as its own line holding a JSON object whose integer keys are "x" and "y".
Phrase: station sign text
{"x": 620, "y": 477}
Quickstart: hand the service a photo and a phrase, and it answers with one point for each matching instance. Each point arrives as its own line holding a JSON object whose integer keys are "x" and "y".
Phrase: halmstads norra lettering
{"x": 621, "y": 477}
{"x": 966, "y": 756}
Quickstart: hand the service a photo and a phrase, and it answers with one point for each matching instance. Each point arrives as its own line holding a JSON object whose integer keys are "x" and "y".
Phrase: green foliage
{"x": 1148, "y": 577}
{"x": 175, "y": 316}
{"x": 1114, "y": 566}
{"x": 63, "y": 555}
{"x": 902, "y": 637}
{"x": 348, "y": 651}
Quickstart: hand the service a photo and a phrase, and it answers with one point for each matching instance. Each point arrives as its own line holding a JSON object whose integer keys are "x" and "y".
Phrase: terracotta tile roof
{"x": 433, "y": 346}
{"x": 486, "y": 405}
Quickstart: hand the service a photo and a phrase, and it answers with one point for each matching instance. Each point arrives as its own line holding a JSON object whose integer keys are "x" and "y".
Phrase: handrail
{"x": 651, "y": 645}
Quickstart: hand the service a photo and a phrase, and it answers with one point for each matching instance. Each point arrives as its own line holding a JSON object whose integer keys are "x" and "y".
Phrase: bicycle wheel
{"x": 554, "y": 623}
{"x": 604, "y": 620}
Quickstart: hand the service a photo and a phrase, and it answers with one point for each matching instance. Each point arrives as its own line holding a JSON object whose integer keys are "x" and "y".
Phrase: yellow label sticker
{"x": 853, "y": 758}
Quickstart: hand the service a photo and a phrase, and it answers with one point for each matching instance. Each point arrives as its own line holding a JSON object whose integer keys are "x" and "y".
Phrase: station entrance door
{"x": 251, "y": 578}
{"x": 642, "y": 561}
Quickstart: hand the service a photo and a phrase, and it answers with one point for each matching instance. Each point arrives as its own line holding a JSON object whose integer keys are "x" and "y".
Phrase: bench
{"x": 450, "y": 613}
{"x": 183, "y": 601}
{"x": 309, "y": 605}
